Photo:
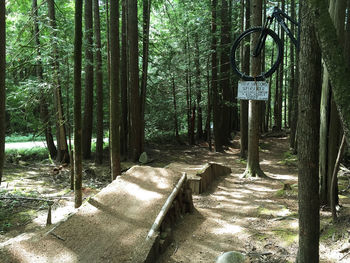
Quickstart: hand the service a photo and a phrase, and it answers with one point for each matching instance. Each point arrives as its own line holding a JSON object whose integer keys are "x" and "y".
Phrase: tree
{"x": 293, "y": 103}
{"x": 330, "y": 131}
{"x": 99, "y": 85}
{"x": 114, "y": 105}
{"x": 78, "y": 166}
{"x": 135, "y": 109}
{"x": 279, "y": 87}
{"x": 145, "y": 51}
{"x": 308, "y": 139}
{"x": 214, "y": 81}
{"x": 2, "y": 84}
{"x": 62, "y": 146}
{"x": 338, "y": 69}
{"x": 253, "y": 167}
{"x": 124, "y": 83}
{"x": 89, "y": 80}
{"x": 225, "y": 73}
{"x": 175, "y": 109}
{"x": 198, "y": 89}
{"x": 44, "y": 111}
{"x": 244, "y": 103}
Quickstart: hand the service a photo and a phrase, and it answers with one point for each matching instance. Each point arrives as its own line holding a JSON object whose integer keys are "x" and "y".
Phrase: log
{"x": 166, "y": 207}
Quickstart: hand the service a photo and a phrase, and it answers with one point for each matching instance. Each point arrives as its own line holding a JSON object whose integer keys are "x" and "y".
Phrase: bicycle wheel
{"x": 271, "y": 53}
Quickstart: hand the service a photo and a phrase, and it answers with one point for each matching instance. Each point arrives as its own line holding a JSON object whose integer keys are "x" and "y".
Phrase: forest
{"x": 92, "y": 89}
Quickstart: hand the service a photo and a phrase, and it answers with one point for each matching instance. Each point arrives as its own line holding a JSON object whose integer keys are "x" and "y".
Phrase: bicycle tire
{"x": 275, "y": 64}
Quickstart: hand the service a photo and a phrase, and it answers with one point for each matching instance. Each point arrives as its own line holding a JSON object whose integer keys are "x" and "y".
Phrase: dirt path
{"x": 256, "y": 217}
{"x": 252, "y": 216}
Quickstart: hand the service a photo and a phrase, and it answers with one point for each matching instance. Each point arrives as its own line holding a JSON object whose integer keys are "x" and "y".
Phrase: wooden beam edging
{"x": 166, "y": 207}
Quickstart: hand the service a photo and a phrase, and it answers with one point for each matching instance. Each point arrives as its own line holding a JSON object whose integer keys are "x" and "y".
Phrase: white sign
{"x": 253, "y": 90}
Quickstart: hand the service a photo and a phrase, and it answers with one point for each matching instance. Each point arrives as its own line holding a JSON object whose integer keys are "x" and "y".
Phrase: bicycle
{"x": 268, "y": 41}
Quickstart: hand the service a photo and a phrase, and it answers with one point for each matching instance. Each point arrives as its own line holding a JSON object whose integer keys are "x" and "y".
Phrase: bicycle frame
{"x": 279, "y": 15}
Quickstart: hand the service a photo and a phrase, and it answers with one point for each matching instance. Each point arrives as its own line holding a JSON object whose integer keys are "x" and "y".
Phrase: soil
{"x": 257, "y": 217}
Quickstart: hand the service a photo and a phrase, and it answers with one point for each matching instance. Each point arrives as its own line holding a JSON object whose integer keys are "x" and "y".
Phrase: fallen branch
{"x": 347, "y": 254}
{"x": 57, "y": 236}
{"x": 34, "y": 198}
{"x": 25, "y": 198}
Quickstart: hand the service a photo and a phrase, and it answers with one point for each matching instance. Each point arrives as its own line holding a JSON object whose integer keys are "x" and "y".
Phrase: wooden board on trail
{"x": 111, "y": 227}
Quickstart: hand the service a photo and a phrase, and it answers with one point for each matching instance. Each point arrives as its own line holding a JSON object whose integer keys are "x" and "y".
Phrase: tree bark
{"x": 308, "y": 140}
{"x": 124, "y": 84}
{"x": 330, "y": 123}
{"x": 176, "y": 128}
{"x": 44, "y": 111}
{"x": 339, "y": 72}
{"x": 145, "y": 48}
{"x": 62, "y": 146}
{"x": 244, "y": 103}
{"x": 225, "y": 73}
{"x": 78, "y": 166}
{"x": 214, "y": 82}
{"x": 209, "y": 108}
{"x": 2, "y": 84}
{"x": 279, "y": 93}
{"x": 135, "y": 129}
{"x": 89, "y": 80}
{"x": 198, "y": 90}
{"x": 293, "y": 108}
{"x": 99, "y": 86}
{"x": 253, "y": 167}
{"x": 114, "y": 103}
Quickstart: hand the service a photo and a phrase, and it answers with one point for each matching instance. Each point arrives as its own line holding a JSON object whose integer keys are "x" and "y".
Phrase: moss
{"x": 241, "y": 161}
{"x": 287, "y": 235}
{"x": 281, "y": 193}
{"x": 289, "y": 159}
{"x": 279, "y": 211}
{"x": 328, "y": 232}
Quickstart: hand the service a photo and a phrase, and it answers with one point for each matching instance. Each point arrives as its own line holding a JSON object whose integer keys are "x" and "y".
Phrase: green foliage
{"x": 17, "y": 212}
{"x": 14, "y": 137}
{"x": 36, "y": 154}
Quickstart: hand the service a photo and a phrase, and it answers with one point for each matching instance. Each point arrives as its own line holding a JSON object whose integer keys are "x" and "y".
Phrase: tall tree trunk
{"x": 108, "y": 43}
{"x": 225, "y": 73}
{"x": 292, "y": 99}
{"x": 89, "y": 80}
{"x": 209, "y": 107}
{"x": 188, "y": 99}
{"x": 114, "y": 103}
{"x": 330, "y": 123}
{"x": 145, "y": 47}
{"x": 44, "y": 111}
{"x": 308, "y": 140}
{"x": 244, "y": 103}
{"x": 124, "y": 83}
{"x": 253, "y": 167}
{"x": 99, "y": 85}
{"x": 338, "y": 69}
{"x": 198, "y": 90}
{"x": 280, "y": 82}
{"x": 62, "y": 146}
{"x": 190, "y": 109}
{"x": 2, "y": 84}
{"x": 176, "y": 128}
{"x": 78, "y": 155}
{"x": 135, "y": 132}
{"x": 214, "y": 81}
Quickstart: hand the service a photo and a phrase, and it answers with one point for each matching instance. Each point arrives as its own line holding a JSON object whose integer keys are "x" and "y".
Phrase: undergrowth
{"x": 16, "y": 211}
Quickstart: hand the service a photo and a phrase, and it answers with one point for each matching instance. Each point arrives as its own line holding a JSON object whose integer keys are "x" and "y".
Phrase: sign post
{"x": 253, "y": 90}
